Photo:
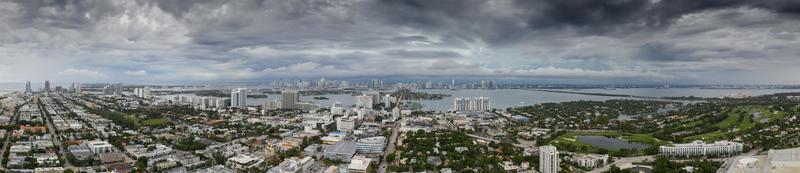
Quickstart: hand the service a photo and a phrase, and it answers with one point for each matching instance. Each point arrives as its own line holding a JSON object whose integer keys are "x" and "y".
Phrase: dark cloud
{"x": 518, "y": 38}
{"x": 665, "y": 52}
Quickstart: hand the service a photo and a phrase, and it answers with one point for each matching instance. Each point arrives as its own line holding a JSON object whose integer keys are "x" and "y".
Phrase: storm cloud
{"x": 204, "y": 40}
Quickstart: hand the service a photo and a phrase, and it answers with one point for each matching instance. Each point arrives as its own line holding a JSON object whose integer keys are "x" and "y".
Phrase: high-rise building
{"x": 290, "y": 99}
{"x": 78, "y": 88}
{"x": 337, "y": 108}
{"x": 28, "y": 89}
{"x": 377, "y": 84}
{"x": 118, "y": 89}
{"x": 322, "y": 84}
{"x": 143, "y": 92}
{"x": 472, "y": 104}
{"x": 548, "y": 159}
{"x": 47, "y": 87}
{"x": 364, "y": 101}
{"x": 239, "y": 97}
{"x": 108, "y": 89}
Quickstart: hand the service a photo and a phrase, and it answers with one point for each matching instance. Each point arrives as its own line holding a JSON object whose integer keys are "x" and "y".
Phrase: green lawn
{"x": 746, "y": 123}
{"x": 156, "y": 122}
{"x": 644, "y": 138}
{"x": 708, "y": 137}
{"x": 729, "y": 121}
{"x": 773, "y": 116}
{"x": 693, "y": 124}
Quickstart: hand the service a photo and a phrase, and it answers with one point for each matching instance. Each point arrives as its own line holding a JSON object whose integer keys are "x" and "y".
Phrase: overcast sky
{"x": 667, "y": 41}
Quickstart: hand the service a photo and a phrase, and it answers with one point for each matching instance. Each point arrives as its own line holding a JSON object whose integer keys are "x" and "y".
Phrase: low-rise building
{"x": 342, "y": 151}
{"x": 293, "y": 165}
{"x": 371, "y": 145}
{"x": 590, "y": 160}
{"x": 100, "y": 147}
{"x": 359, "y": 164}
{"x": 700, "y": 148}
{"x": 243, "y": 162}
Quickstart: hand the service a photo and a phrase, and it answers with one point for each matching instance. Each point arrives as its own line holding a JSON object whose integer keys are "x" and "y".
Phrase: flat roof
{"x": 343, "y": 147}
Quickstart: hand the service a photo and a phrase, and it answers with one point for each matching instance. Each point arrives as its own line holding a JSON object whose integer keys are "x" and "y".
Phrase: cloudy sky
{"x": 666, "y": 41}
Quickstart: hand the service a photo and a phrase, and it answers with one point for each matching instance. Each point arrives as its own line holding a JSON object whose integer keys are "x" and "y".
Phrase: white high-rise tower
{"x": 548, "y": 159}
{"x": 239, "y": 97}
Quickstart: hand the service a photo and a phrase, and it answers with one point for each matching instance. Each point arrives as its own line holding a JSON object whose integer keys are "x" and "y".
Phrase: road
{"x": 7, "y": 137}
{"x": 626, "y": 162}
{"x": 730, "y": 161}
{"x": 623, "y": 162}
{"x": 390, "y": 147}
{"x": 56, "y": 138}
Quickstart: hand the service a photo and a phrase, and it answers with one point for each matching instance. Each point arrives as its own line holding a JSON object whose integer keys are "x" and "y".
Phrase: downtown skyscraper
{"x": 28, "y": 89}
{"x": 47, "y": 87}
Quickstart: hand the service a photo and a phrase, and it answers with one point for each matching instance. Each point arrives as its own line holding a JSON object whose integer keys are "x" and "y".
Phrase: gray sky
{"x": 670, "y": 41}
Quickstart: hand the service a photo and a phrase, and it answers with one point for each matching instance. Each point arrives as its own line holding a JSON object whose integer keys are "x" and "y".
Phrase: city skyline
{"x": 390, "y": 86}
{"x": 682, "y": 42}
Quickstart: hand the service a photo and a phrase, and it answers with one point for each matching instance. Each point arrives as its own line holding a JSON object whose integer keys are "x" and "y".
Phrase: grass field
{"x": 693, "y": 124}
{"x": 747, "y": 122}
{"x": 708, "y": 137}
{"x": 730, "y": 121}
{"x": 644, "y": 138}
{"x": 156, "y": 122}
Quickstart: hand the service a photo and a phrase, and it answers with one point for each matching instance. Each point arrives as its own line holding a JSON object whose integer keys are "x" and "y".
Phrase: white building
{"x": 144, "y": 151}
{"x": 700, "y": 148}
{"x": 548, "y": 159}
{"x": 337, "y": 108}
{"x": 472, "y": 104}
{"x": 239, "y": 98}
{"x": 346, "y": 124}
{"x": 364, "y": 101}
{"x": 371, "y": 145}
{"x": 243, "y": 162}
{"x": 270, "y": 105}
{"x": 776, "y": 161}
{"x": 143, "y": 92}
{"x": 100, "y": 147}
{"x": 784, "y": 160}
{"x": 359, "y": 164}
{"x": 590, "y": 160}
{"x": 293, "y": 165}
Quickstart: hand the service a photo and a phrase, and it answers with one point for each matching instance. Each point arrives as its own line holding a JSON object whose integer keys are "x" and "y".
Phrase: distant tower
{"x": 28, "y": 89}
{"x": 322, "y": 83}
{"x": 118, "y": 89}
{"x": 47, "y": 87}
{"x": 78, "y": 89}
{"x": 239, "y": 98}
{"x": 548, "y": 159}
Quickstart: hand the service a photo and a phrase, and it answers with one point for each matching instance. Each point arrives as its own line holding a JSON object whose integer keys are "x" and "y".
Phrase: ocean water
{"x": 505, "y": 98}
{"x": 500, "y": 98}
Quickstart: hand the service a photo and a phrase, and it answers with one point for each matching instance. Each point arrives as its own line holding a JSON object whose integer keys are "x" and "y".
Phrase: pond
{"x": 610, "y": 143}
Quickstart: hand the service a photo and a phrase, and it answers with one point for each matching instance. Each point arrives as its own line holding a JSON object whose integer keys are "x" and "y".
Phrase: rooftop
{"x": 359, "y": 163}
{"x": 343, "y": 147}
